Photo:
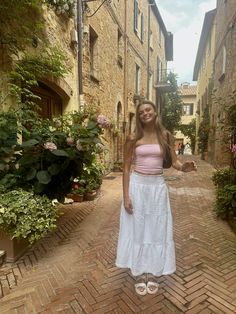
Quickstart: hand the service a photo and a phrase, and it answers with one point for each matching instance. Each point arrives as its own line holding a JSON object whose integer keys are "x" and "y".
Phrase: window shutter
{"x": 142, "y": 28}
{"x": 191, "y": 109}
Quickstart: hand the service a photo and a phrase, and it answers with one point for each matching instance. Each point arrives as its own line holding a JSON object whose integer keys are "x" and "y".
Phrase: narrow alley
{"x": 73, "y": 271}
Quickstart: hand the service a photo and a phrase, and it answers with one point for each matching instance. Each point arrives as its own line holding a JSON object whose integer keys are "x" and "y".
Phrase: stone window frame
{"x": 93, "y": 54}
{"x": 187, "y": 109}
{"x": 138, "y": 21}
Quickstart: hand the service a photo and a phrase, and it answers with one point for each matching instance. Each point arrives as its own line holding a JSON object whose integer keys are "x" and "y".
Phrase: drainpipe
{"x": 80, "y": 52}
{"x": 125, "y": 100}
{"x": 148, "y": 51}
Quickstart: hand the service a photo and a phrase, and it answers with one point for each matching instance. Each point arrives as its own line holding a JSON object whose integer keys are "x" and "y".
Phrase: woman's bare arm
{"x": 127, "y": 161}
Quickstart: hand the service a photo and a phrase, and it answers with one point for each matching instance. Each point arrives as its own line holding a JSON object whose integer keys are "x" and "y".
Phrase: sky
{"x": 184, "y": 18}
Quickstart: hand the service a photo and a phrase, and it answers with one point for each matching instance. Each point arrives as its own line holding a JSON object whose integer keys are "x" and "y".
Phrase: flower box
{"x": 14, "y": 248}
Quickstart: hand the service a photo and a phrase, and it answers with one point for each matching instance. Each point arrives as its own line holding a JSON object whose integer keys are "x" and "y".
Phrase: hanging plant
{"x": 62, "y": 6}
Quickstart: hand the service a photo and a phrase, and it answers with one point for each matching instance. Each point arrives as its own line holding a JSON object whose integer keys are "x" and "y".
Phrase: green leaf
{"x": 2, "y": 167}
{"x": 31, "y": 174}
{"x": 54, "y": 169}
{"x": 39, "y": 187}
{"x": 27, "y": 160}
{"x": 91, "y": 125}
{"x": 59, "y": 152}
{"x": 30, "y": 143}
{"x": 43, "y": 177}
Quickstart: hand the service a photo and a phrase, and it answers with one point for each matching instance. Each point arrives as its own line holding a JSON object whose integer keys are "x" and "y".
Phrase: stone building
{"x": 57, "y": 95}
{"x": 224, "y": 82}
{"x": 126, "y": 49}
{"x": 214, "y": 71}
{"x": 188, "y": 96}
{"x": 204, "y": 67}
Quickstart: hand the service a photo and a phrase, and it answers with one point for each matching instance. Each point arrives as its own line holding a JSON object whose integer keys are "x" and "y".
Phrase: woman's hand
{"x": 128, "y": 206}
{"x": 189, "y": 166}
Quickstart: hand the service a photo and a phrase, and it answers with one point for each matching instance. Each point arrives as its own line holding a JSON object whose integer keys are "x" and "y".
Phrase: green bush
{"x": 55, "y": 152}
{"x": 25, "y": 215}
{"x": 225, "y": 182}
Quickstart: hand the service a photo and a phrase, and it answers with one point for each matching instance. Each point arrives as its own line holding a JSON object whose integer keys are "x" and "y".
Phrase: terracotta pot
{"x": 76, "y": 197}
{"x": 14, "y": 248}
{"x": 90, "y": 196}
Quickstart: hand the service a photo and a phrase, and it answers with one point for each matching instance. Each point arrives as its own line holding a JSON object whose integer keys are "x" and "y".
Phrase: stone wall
{"x": 224, "y": 76}
{"x": 117, "y": 51}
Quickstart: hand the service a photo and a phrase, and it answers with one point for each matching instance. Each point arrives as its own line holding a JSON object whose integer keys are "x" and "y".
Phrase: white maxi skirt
{"x": 145, "y": 243}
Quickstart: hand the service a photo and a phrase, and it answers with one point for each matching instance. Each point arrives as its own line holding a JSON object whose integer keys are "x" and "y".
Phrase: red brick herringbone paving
{"x": 72, "y": 270}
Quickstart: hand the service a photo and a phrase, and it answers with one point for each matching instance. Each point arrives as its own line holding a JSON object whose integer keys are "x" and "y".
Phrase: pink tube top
{"x": 148, "y": 159}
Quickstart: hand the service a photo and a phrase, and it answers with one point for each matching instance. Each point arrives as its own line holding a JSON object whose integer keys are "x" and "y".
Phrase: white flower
{"x": 78, "y": 145}
{"x": 57, "y": 123}
{"x": 55, "y": 202}
{"x": 2, "y": 209}
{"x": 76, "y": 180}
{"x": 52, "y": 129}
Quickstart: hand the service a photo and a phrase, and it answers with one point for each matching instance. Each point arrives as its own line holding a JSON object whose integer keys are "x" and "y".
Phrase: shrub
{"x": 225, "y": 182}
{"x": 26, "y": 215}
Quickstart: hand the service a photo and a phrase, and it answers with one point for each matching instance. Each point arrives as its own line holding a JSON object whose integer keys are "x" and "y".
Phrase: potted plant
{"x": 77, "y": 191}
{"x": 24, "y": 219}
{"x": 91, "y": 190}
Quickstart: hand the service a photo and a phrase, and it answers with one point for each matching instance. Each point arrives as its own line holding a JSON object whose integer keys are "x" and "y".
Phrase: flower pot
{"x": 90, "y": 196}
{"x": 14, "y": 248}
{"x": 76, "y": 197}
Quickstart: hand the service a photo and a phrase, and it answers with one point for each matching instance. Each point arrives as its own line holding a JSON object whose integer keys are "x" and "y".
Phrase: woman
{"x": 145, "y": 243}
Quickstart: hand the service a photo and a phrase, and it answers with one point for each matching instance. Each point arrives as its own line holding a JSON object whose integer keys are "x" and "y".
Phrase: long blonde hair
{"x": 163, "y": 135}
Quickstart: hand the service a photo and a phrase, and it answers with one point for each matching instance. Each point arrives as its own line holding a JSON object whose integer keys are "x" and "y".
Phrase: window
{"x": 119, "y": 49}
{"x": 209, "y": 45}
{"x": 223, "y": 66}
{"x": 151, "y": 39}
{"x": 137, "y": 79}
{"x": 224, "y": 60}
{"x": 150, "y": 85}
{"x": 188, "y": 109}
{"x": 160, "y": 35}
{"x": 138, "y": 21}
{"x": 159, "y": 70}
{"x": 136, "y": 12}
{"x": 93, "y": 51}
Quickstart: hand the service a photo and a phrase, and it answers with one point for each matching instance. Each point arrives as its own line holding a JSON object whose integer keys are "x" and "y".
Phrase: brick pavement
{"x": 72, "y": 270}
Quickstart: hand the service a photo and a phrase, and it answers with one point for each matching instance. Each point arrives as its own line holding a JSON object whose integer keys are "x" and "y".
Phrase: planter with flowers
{"x": 77, "y": 192}
{"x": 24, "y": 219}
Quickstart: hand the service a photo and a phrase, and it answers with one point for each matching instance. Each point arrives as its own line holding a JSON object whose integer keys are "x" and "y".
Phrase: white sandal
{"x": 152, "y": 285}
{"x": 140, "y": 286}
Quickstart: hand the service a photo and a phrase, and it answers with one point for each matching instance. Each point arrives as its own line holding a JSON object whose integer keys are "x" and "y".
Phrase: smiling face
{"x": 147, "y": 114}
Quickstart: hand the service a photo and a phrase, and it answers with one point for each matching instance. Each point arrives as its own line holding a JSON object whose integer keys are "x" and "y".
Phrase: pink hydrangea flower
{"x": 50, "y": 145}
{"x": 103, "y": 121}
{"x": 100, "y": 147}
{"x": 233, "y": 148}
{"x": 70, "y": 140}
